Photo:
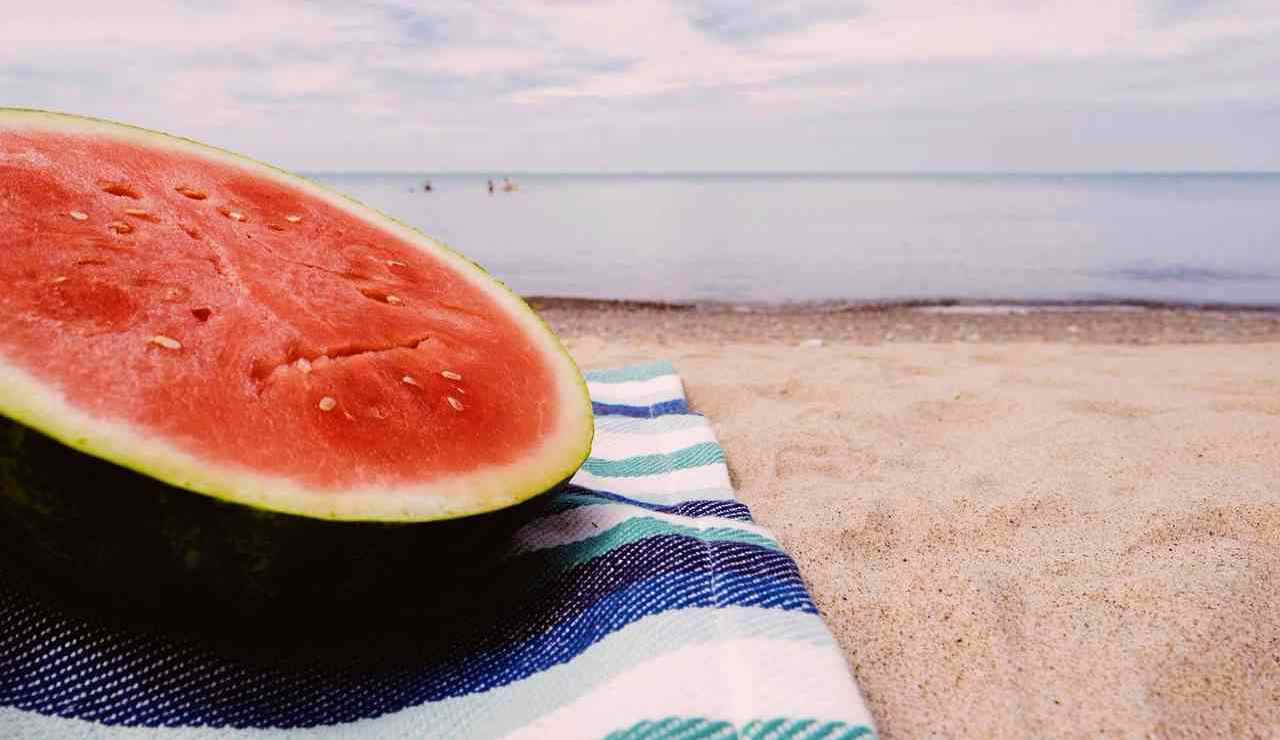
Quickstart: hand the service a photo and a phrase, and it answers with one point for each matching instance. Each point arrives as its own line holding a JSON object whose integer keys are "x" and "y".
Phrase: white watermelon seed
{"x": 192, "y": 193}
{"x": 408, "y": 380}
{"x": 451, "y": 375}
{"x": 455, "y": 403}
{"x": 139, "y": 213}
{"x": 119, "y": 188}
{"x": 166, "y": 342}
{"x": 396, "y": 263}
{"x": 120, "y": 227}
{"x": 393, "y": 299}
{"x": 59, "y": 279}
{"x": 236, "y": 216}
{"x": 327, "y": 403}
{"x": 78, "y": 215}
{"x": 293, "y": 218}
{"x": 303, "y": 365}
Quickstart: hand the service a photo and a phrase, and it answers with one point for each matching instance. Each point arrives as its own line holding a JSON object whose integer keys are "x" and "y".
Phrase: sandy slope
{"x": 1019, "y": 539}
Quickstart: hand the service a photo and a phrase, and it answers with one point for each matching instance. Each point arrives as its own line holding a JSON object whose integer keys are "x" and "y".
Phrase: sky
{"x": 673, "y": 85}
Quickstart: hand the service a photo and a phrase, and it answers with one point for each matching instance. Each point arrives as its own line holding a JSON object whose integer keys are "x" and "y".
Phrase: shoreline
{"x": 932, "y": 321}
{"x": 960, "y": 305}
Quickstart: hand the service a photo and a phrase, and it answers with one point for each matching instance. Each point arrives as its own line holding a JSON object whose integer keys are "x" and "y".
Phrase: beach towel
{"x": 645, "y": 603}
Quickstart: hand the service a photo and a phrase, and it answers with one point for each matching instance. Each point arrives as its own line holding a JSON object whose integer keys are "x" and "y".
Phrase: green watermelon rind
{"x": 27, "y": 400}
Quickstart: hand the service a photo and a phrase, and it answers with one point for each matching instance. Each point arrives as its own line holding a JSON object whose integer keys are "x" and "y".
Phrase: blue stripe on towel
{"x": 573, "y": 496}
{"x": 674, "y": 406}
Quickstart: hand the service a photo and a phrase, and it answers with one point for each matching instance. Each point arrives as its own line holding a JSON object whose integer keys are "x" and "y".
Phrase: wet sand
{"x": 1017, "y": 524}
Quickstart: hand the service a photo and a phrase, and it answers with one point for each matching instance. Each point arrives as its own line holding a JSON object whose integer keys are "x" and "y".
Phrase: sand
{"x": 1010, "y": 538}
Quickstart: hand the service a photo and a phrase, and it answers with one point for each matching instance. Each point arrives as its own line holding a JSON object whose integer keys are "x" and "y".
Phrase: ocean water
{"x": 1195, "y": 238}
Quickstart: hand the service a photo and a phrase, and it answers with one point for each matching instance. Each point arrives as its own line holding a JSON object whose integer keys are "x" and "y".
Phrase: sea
{"x": 1188, "y": 238}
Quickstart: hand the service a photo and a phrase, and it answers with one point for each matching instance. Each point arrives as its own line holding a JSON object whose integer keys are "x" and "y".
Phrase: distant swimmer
{"x": 426, "y": 186}
{"x": 491, "y": 187}
{"x": 507, "y": 185}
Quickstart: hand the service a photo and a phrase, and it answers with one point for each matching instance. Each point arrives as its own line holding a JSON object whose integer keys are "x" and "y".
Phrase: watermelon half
{"x": 231, "y": 338}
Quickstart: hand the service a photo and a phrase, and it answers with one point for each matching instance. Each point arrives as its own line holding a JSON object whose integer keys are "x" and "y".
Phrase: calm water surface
{"x": 1198, "y": 238}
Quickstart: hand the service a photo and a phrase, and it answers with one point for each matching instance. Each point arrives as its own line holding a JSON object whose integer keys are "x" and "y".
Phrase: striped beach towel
{"x": 648, "y": 605}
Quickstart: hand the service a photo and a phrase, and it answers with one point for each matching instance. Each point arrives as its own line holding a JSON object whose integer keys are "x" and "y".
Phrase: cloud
{"x": 670, "y": 84}
{"x": 1176, "y": 11}
{"x": 743, "y": 20}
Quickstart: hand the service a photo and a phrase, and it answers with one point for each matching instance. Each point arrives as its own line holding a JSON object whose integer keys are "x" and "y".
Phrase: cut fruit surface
{"x": 233, "y": 330}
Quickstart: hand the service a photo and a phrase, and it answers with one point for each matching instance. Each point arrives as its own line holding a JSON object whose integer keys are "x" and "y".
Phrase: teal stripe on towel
{"x": 702, "y": 728}
{"x": 560, "y": 558}
{"x": 705, "y": 453}
{"x": 631, "y": 372}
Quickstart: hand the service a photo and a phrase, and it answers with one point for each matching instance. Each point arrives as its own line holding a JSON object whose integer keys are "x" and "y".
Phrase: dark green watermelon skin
{"x": 115, "y": 539}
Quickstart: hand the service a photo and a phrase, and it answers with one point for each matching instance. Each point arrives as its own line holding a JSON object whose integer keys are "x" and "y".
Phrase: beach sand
{"x": 1037, "y": 524}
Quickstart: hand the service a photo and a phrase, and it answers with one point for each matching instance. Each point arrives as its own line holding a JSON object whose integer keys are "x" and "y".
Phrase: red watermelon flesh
{"x": 240, "y": 332}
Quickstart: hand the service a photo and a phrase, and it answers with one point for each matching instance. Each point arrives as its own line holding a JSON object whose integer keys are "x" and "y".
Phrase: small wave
{"x": 1184, "y": 274}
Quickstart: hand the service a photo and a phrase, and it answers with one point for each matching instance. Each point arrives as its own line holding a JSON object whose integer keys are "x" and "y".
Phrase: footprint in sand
{"x": 1269, "y": 408}
{"x": 877, "y": 539}
{"x": 837, "y": 460}
{"x": 1115, "y": 409}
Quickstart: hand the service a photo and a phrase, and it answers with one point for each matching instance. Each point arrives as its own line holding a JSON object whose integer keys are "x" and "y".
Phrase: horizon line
{"x": 794, "y": 173}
